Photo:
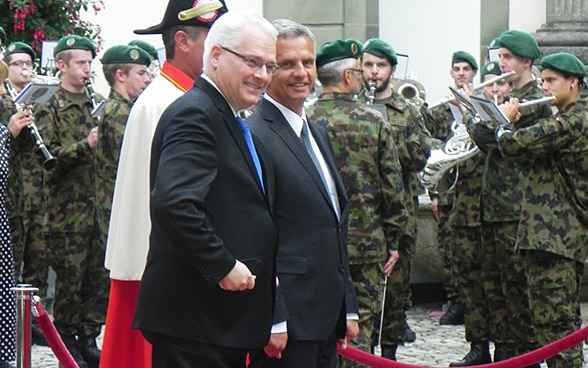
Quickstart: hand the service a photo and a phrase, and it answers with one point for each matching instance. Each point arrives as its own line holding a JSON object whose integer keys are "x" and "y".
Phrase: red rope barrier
{"x": 524, "y": 360}
{"x": 53, "y": 338}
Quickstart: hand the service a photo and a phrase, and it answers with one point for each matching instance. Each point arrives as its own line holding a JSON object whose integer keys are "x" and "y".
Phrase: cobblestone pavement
{"x": 436, "y": 345}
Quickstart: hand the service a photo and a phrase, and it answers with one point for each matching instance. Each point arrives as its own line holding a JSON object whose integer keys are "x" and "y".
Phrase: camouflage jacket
{"x": 70, "y": 188}
{"x": 504, "y": 177}
{"x": 555, "y": 197}
{"x": 112, "y": 128}
{"x": 413, "y": 143}
{"x": 24, "y": 190}
{"x": 368, "y": 164}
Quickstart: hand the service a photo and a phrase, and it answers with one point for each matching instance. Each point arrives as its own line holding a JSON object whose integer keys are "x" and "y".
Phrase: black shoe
{"x": 37, "y": 336}
{"x": 500, "y": 353}
{"x": 389, "y": 352}
{"x": 454, "y": 315}
{"x": 478, "y": 354}
{"x": 409, "y": 335}
{"x": 72, "y": 346}
{"x": 89, "y": 349}
{"x": 4, "y": 364}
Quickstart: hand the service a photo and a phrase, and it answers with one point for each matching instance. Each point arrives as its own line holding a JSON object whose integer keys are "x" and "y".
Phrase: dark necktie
{"x": 305, "y": 138}
{"x": 252, "y": 151}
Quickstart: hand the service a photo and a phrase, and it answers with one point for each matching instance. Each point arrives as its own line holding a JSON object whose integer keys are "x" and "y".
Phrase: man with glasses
{"x": 128, "y": 232}
{"x": 25, "y": 203}
{"x": 366, "y": 156}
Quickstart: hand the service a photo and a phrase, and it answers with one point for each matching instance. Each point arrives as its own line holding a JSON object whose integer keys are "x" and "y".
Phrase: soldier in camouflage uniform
{"x": 368, "y": 163}
{"x": 502, "y": 194}
{"x": 25, "y": 202}
{"x": 413, "y": 144}
{"x": 75, "y": 248}
{"x": 468, "y": 254}
{"x": 552, "y": 233}
{"x": 125, "y": 70}
{"x": 438, "y": 120}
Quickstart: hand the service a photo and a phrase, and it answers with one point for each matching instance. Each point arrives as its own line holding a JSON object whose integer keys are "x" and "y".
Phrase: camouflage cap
{"x": 200, "y": 13}
{"x": 565, "y": 63}
{"x": 18, "y": 47}
{"x": 74, "y": 42}
{"x": 2, "y": 35}
{"x": 491, "y": 68}
{"x": 145, "y": 46}
{"x": 125, "y": 54}
{"x": 464, "y": 57}
{"x": 376, "y": 46}
{"x": 520, "y": 43}
{"x": 338, "y": 50}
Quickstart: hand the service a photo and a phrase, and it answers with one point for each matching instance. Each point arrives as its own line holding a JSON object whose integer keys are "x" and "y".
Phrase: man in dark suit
{"x": 208, "y": 290}
{"x": 318, "y": 305}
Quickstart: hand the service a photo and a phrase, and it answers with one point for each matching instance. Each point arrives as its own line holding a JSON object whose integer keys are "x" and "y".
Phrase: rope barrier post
{"x": 24, "y": 294}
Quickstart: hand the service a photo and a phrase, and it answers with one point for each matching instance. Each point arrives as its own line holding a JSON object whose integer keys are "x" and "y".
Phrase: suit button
{"x": 341, "y": 269}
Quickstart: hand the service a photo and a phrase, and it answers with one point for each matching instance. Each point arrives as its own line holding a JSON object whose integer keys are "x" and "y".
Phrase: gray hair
{"x": 227, "y": 31}
{"x": 290, "y": 29}
{"x": 332, "y": 73}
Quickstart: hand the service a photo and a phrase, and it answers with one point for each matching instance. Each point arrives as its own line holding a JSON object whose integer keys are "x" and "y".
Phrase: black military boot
{"x": 389, "y": 352}
{"x": 454, "y": 314}
{"x": 37, "y": 336}
{"x": 89, "y": 349}
{"x": 409, "y": 335}
{"x": 479, "y": 354}
{"x": 72, "y": 346}
{"x": 500, "y": 353}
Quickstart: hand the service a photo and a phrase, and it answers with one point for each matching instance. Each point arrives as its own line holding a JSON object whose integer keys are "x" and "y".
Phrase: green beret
{"x": 146, "y": 46}
{"x": 520, "y": 43}
{"x": 74, "y": 42}
{"x": 377, "y": 47}
{"x": 125, "y": 54}
{"x": 338, "y": 50}
{"x": 20, "y": 48}
{"x": 2, "y": 35}
{"x": 464, "y": 57}
{"x": 565, "y": 63}
{"x": 491, "y": 68}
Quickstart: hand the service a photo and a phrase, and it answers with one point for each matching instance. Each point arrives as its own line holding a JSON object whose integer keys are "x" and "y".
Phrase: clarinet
{"x": 97, "y": 106}
{"x": 49, "y": 160}
{"x": 371, "y": 93}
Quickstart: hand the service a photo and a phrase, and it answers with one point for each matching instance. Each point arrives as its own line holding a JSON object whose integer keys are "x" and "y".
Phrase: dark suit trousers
{"x": 298, "y": 354}
{"x": 173, "y": 352}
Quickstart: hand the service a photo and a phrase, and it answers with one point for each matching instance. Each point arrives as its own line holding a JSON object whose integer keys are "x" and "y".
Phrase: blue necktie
{"x": 252, "y": 151}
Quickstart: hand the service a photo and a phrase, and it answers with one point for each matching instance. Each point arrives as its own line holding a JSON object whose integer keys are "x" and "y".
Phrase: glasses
{"x": 19, "y": 64}
{"x": 254, "y": 63}
{"x": 359, "y": 71}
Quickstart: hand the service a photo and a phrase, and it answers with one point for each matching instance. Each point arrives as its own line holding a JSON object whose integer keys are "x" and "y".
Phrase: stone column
{"x": 566, "y": 28}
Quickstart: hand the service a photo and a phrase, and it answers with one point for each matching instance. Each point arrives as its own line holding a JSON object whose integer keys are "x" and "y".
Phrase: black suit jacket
{"x": 312, "y": 261}
{"x": 207, "y": 209}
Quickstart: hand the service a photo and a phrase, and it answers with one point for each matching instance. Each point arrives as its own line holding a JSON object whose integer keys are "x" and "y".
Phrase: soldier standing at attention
{"x": 413, "y": 144}
{"x": 74, "y": 245}
{"x": 366, "y": 156}
{"x": 552, "y": 234}
{"x": 502, "y": 195}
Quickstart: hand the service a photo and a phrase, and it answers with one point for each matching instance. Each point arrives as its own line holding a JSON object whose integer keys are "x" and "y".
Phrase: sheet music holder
{"x": 488, "y": 110}
{"x": 464, "y": 101}
{"x": 456, "y": 112}
{"x": 36, "y": 93}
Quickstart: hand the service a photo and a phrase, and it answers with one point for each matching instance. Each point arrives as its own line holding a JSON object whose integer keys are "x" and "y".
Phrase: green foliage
{"x": 34, "y": 21}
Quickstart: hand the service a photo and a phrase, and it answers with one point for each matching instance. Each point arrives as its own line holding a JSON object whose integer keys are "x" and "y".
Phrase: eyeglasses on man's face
{"x": 254, "y": 63}
{"x": 20, "y": 64}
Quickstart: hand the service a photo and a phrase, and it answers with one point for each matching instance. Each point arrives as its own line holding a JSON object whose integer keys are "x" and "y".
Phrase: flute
{"x": 537, "y": 101}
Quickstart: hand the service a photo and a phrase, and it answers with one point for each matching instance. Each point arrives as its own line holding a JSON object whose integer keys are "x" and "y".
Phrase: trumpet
{"x": 49, "y": 160}
{"x": 478, "y": 87}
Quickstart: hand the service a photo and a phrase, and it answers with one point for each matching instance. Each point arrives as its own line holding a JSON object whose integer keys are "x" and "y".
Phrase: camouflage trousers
{"x": 82, "y": 286}
{"x": 395, "y": 305}
{"x": 368, "y": 282}
{"x": 445, "y": 239}
{"x": 468, "y": 257}
{"x": 28, "y": 245}
{"x": 554, "y": 284}
{"x": 505, "y": 282}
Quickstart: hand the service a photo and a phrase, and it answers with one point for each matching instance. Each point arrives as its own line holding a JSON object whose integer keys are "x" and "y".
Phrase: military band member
{"x": 413, "y": 143}
{"x": 366, "y": 156}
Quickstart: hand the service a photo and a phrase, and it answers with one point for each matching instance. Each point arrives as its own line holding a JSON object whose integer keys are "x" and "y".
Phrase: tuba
{"x": 412, "y": 90}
